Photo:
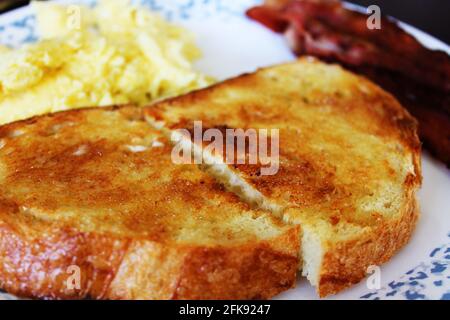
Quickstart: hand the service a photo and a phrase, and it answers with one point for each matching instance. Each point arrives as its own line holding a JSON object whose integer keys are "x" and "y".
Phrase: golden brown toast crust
{"x": 346, "y": 262}
{"x": 72, "y": 193}
{"x": 121, "y": 268}
{"x": 40, "y": 266}
{"x": 249, "y": 271}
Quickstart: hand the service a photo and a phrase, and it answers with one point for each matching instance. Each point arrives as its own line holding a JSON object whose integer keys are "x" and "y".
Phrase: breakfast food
{"x": 389, "y": 56}
{"x": 94, "y": 192}
{"x": 114, "y": 53}
{"x": 97, "y": 190}
{"x": 349, "y": 161}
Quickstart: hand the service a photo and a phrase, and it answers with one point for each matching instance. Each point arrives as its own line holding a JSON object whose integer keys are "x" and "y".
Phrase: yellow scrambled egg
{"x": 114, "y": 53}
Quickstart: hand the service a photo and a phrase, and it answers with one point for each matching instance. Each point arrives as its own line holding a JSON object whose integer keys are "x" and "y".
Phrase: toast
{"x": 349, "y": 161}
{"x": 94, "y": 193}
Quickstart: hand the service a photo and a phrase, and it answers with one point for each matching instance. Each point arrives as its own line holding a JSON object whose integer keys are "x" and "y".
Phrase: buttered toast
{"x": 91, "y": 205}
{"x": 349, "y": 161}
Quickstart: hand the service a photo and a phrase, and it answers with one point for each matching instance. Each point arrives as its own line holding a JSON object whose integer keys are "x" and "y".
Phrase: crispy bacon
{"x": 417, "y": 76}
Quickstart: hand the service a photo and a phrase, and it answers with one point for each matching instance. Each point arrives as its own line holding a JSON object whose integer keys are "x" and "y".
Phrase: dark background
{"x": 431, "y": 16}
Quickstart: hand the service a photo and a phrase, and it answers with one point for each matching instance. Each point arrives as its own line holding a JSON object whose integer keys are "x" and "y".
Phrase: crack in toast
{"x": 96, "y": 189}
{"x": 349, "y": 161}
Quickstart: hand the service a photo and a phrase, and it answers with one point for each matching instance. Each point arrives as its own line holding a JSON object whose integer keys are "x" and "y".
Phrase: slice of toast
{"x": 349, "y": 161}
{"x": 91, "y": 205}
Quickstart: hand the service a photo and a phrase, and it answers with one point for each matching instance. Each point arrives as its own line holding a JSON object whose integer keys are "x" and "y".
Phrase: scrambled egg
{"x": 114, "y": 53}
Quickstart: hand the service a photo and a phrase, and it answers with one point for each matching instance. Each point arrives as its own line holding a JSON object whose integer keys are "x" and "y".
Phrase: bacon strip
{"x": 417, "y": 76}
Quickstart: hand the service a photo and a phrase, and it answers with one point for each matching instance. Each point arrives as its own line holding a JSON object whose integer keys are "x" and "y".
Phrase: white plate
{"x": 232, "y": 44}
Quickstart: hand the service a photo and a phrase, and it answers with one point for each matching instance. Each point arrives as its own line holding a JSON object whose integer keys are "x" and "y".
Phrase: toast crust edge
{"x": 33, "y": 265}
{"x": 345, "y": 263}
{"x": 249, "y": 271}
{"x": 36, "y": 266}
